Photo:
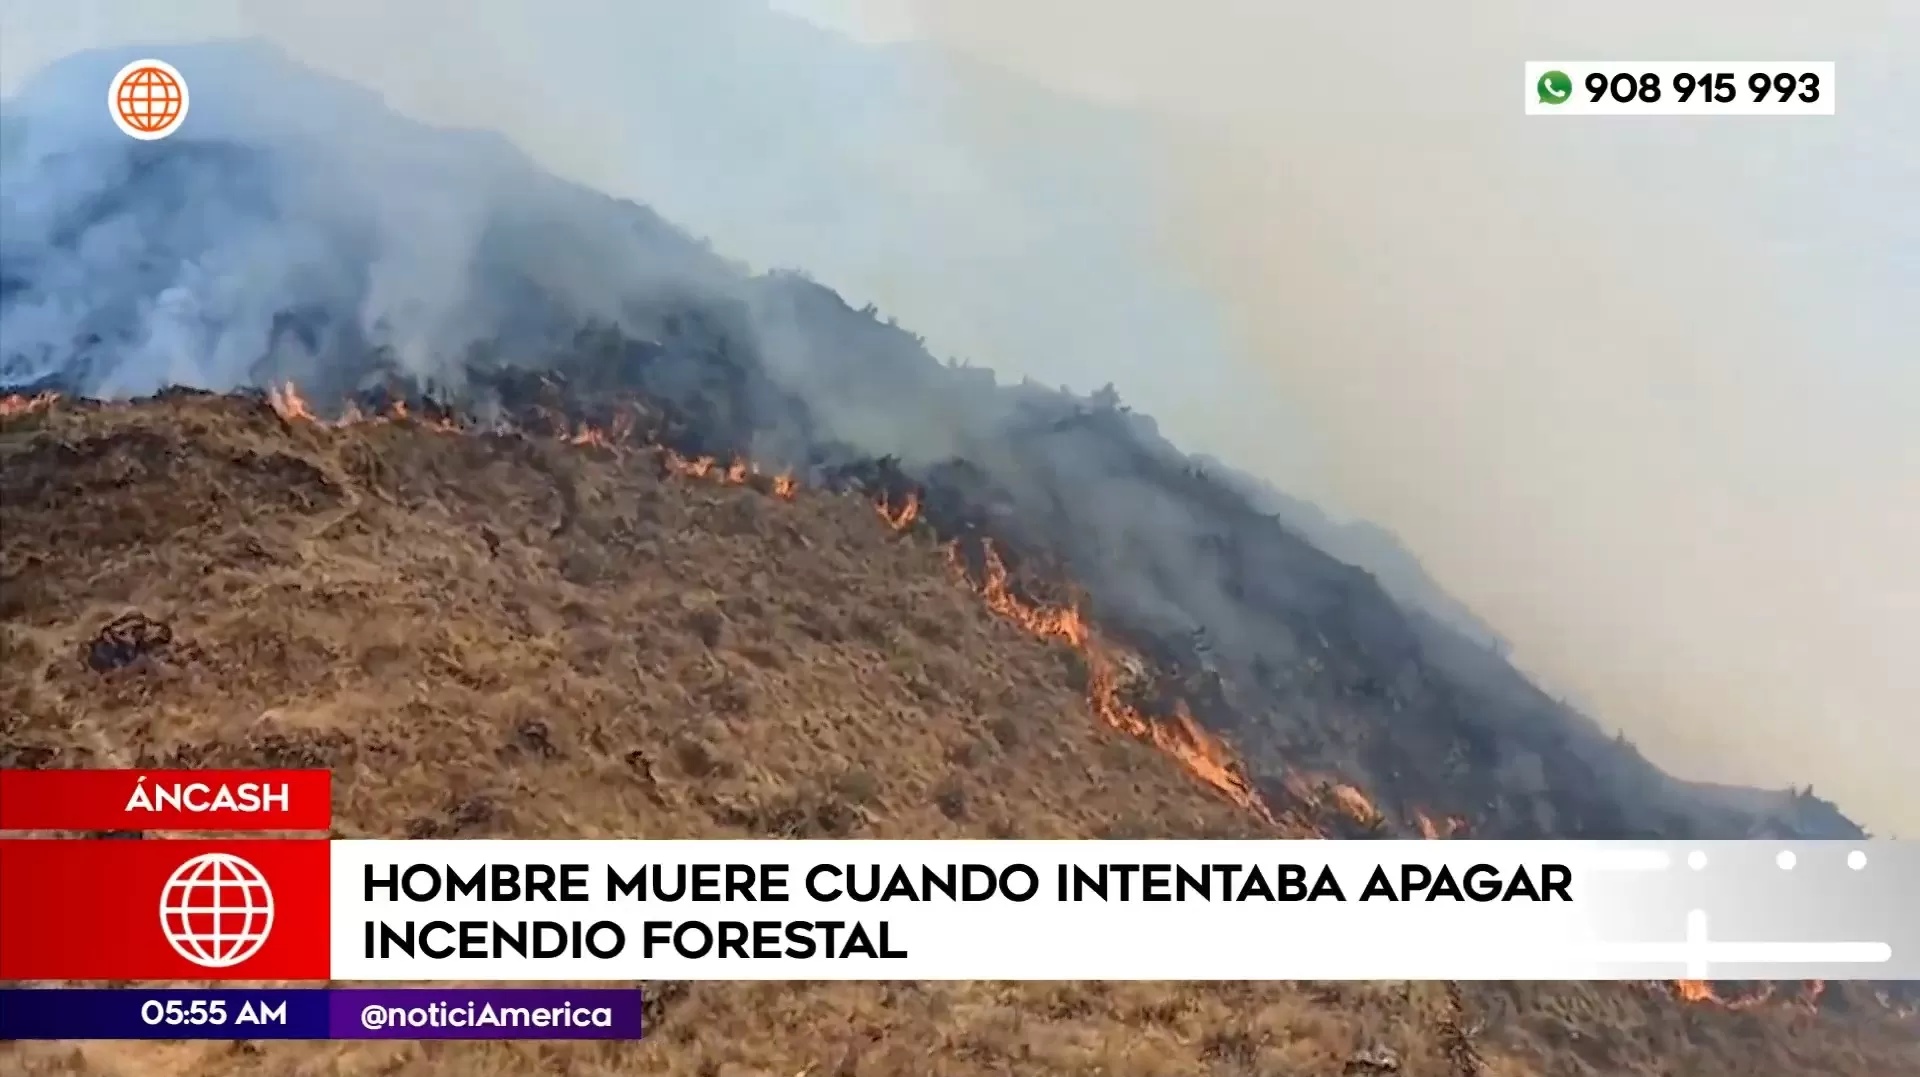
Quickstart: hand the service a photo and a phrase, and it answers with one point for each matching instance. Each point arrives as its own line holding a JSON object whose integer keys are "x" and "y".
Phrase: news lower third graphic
{"x": 1040, "y": 910}
{"x": 492, "y": 911}
{"x": 310, "y": 910}
{"x": 466, "y": 1013}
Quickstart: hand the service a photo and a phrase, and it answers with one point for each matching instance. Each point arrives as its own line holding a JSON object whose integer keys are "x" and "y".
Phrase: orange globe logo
{"x": 148, "y": 99}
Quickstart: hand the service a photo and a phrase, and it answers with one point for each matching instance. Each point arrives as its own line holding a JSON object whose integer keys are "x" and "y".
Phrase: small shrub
{"x": 583, "y": 567}
{"x": 695, "y": 758}
{"x": 857, "y": 786}
{"x": 1005, "y": 731}
{"x": 951, "y": 799}
{"x": 706, "y": 624}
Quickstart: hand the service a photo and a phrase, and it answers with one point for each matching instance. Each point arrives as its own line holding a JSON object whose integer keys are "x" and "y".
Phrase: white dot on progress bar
{"x": 1697, "y": 860}
{"x": 1856, "y": 859}
{"x": 1786, "y": 860}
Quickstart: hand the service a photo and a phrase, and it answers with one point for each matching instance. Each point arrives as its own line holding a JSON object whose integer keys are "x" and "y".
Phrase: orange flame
{"x": 738, "y": 472}
{"x": 1062, "y": 622}
{"x": 1694, "y": 991}
{"x": 1808, "y": 998}
{"x": 289, "y": 404}
{"x": 680, "y": 465}
{"x": 1701, "y": 992}
{"x": 1810, "y": 995}
{"x": 1445, "y": 828}
{"x": 287, "y": 401}
{"x": 1204, "y": 755}
{"x": 1319, "y": 792}
{"x": 590, "y": 435}
{"x": 1356, "y": 805}
{"x": 903, "y": 519}
{"x": 17, "y": 404}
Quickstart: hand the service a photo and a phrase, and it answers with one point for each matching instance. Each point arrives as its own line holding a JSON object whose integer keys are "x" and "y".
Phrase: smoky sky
{"x": 1643, "y": 393}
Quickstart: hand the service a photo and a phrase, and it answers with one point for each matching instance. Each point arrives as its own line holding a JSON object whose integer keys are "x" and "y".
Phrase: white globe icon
{"x": 216, "y": 910}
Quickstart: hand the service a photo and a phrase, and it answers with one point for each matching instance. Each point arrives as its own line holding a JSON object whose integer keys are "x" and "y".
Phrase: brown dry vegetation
{"x": 501, "y": 636}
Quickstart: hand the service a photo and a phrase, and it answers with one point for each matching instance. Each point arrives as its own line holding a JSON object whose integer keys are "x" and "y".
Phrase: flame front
{"x": 18, "y": 404}
{"x": 287, "y": 401}
{"x": 738, "y": 472}
{"x": 1179, "y": 734}
{"x": 1695, "y": 991}
{"x": 1449, "y": 827}
{"x": 909, "y": 511}
{"x": 1700, "y": 992}
{"x": 1200, "y": 752}
{"x": 1322, "y": 791}
{"x": 1356, "y": 805}
{"x": 695, "y": 468}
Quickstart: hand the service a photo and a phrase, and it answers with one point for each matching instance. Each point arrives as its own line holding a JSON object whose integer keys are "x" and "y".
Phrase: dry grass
{"x": 500, "y": 637}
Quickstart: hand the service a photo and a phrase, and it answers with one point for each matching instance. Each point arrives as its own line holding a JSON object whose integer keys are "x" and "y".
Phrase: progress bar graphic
{"x": 1759, "y": 909}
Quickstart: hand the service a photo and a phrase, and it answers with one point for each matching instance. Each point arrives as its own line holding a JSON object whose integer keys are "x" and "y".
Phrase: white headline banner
{"x": 1118, "y": 910}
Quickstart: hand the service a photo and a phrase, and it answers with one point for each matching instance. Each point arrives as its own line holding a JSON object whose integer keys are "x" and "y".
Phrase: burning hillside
{"x": 440, "y": 272}
{"x": 1107, "y": 672}
{"x": 494, "y": 630}
{"x": 1199, "y": 622}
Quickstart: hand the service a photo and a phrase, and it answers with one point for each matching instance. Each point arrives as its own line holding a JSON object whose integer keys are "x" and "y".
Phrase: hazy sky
{"x": 1646, "y": 393}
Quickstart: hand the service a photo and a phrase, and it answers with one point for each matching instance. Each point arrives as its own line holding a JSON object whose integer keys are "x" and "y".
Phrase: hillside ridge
{"x": 1322, "y": 679}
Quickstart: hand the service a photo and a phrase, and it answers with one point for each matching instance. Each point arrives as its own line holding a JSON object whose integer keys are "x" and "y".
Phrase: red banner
{"x": 166, "y": 800}
{"x": 164, "y": 910}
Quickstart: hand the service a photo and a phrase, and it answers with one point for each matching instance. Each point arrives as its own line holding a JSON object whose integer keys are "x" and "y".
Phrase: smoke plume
{"x": 1639, "y": 391}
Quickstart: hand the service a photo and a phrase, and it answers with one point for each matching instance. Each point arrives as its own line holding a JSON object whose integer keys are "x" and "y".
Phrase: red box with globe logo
{"x": 251, "y": 909}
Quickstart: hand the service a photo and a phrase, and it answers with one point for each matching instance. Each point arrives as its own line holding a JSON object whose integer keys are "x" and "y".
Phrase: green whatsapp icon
{"x": 1554, "y": 88}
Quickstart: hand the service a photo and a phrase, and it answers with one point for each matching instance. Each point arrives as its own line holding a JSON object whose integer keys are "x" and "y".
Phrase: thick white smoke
{"x": 1643, "y": 392}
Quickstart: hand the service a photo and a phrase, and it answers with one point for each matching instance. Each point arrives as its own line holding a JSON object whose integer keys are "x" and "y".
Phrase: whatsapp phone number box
{"x": 1680, "y": 88}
